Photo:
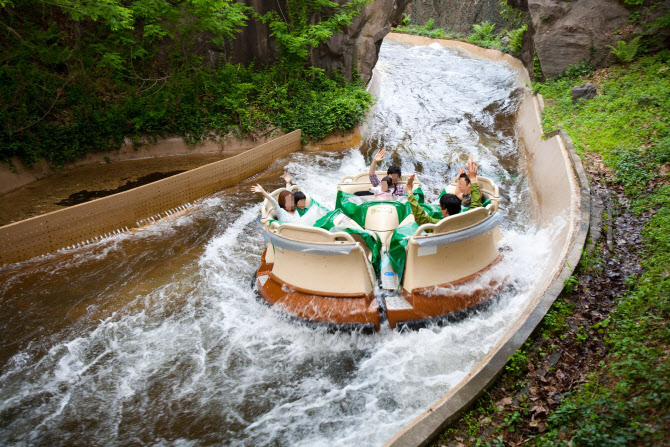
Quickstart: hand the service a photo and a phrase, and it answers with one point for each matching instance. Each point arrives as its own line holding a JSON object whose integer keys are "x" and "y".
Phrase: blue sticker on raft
{"x": 389, "y": 274}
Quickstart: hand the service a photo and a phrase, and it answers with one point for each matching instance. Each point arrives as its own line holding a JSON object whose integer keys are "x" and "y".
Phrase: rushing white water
{"x": 157, "y": 338}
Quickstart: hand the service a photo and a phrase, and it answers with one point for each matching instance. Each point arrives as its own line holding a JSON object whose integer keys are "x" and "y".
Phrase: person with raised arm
{"x": 299, "y": 197}
{"x": 284, "y": 207}
{"x": 450, "y": 204}
{"x": 393, "y": 171}
{"x": 463, "y": 189}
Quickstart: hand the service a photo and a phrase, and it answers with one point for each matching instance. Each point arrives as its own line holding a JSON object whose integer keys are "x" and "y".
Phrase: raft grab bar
{"x": 460, "y": 236}
{"x": 308, "y": 247}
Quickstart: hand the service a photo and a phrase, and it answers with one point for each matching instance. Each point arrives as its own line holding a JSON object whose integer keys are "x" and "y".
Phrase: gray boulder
{"x": 457, "y": 15}
{"x": 355, "y": 49}
{"x": 567, "y": 33}
{"x": 564, "y": 33}
{"x": 585, "y": 91}
{"x": 357, "y": 46}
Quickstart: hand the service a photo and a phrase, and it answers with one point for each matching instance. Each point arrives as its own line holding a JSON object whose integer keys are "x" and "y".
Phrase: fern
{"x": 625, "y": 52}
{"x": 483, "y": 32}
{"x": 430, "y": 24}
{"x": 516, "y": 38}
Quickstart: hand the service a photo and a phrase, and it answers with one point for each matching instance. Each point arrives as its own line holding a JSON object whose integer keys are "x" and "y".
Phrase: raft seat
{"x": 322, "y": 273}
{"x": 429, "y": 263}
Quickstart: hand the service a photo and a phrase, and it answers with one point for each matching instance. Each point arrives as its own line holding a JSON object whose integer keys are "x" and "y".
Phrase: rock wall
{"x": 355, "y": 49}
{"x": 567, "y": 33}
{"x": 457, "y": 15}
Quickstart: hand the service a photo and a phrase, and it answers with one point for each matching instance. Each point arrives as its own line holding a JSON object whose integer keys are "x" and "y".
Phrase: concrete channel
{"x": 560, "y": 191}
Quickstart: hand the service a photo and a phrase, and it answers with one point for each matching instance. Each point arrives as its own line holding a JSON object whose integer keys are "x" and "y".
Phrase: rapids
{"x": 156, "y": 337}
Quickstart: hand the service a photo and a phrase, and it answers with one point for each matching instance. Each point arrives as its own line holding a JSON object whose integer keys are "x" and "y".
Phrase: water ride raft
{"x": 367, "y": 261}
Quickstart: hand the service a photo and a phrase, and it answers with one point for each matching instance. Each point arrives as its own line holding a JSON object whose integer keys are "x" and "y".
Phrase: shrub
{"x": 577, "y": 70}
{"x": 483, "y": 32}
{"x": 625, "y": 52}
{"x": 405, "y": 19}
{"x": 516, "y": 39}
{"x": 430, "y": 24}
{"x": 435, "y": 33}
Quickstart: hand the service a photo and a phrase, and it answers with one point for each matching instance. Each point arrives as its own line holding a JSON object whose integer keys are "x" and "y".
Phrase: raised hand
{"x": 410, "y": 183}
{"x": 257, "y": 189}
{"x": 287, "y": 178}
{"x": 379, "y": 156}
{"x": 472, "y": 169}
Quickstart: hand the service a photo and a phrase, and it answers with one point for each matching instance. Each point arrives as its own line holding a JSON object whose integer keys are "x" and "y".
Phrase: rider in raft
{"x": 450, "y": 204}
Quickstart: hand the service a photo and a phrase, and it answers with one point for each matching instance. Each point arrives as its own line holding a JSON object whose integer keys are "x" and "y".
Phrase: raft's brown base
{"x": 441, "y": 300}
{"x": 350, "y": 310}
{"x": 359, "y": 310}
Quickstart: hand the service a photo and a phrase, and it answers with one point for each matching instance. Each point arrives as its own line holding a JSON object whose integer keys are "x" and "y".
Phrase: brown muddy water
{"x": 156, "y": 337}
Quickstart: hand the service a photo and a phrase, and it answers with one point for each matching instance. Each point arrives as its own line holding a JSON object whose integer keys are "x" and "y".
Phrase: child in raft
{"x": 383, "y": 191}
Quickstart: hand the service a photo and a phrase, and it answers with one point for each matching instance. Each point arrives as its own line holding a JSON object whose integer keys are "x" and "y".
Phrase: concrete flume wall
{"x": 560, "y": 196}
{"x": 99, "y": 218}
{"x": 19, "y": 175}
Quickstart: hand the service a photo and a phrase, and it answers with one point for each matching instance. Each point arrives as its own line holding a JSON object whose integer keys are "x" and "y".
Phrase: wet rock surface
{"x": 561, "y": 362}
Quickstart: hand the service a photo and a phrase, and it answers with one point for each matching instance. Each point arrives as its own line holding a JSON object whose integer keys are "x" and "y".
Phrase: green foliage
{"x": 516, "y": 39}
{"x": 578, "y": 70}
{"x": 430, "y": 24}
{"x": 405, "y": 19}
{"x": 484, "y": 36}
{"x": 511, "y": 15}
{"x": 191, "y": 103}
{"x": 569, "y": 284}
{"x": 554, "y": 321}
{"x": 517, "y": 364}
{"x": 629, "y": 125}
{"x": 483, "y": 32}
{"x": 537, "y": 68}
{"x": 79, "y": 76}
{"x": 660, "y": 23}
{"x": 625, "y": 52}
{"x": 433, "y": 33}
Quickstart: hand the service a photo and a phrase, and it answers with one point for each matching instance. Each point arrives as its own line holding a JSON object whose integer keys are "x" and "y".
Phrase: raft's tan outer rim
{"x": 447, "y": 409}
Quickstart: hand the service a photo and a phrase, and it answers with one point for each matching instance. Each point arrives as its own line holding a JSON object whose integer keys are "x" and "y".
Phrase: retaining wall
{"x": 86, "y": 222}
{"x": 21, "y": 175}
{"x": 560, "y": 198}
